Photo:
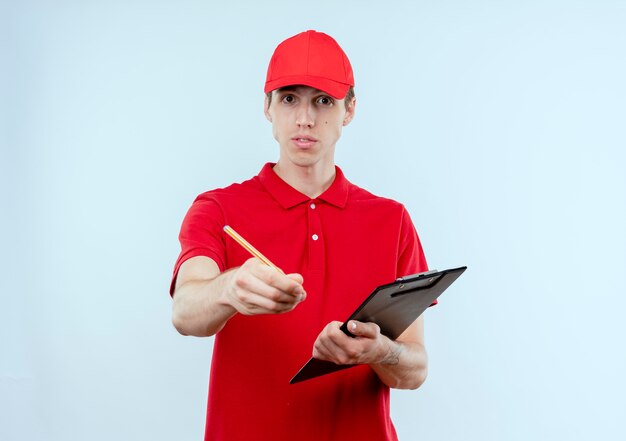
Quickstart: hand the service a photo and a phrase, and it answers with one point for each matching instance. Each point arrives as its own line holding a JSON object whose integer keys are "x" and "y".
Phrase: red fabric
{"x": 363, "y": 241}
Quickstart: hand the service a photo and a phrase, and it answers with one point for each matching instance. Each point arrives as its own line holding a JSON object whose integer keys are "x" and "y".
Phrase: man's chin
{"x": 305, "y": 161}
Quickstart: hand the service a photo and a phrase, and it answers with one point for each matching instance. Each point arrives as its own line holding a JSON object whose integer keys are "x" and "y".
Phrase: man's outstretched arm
{"x": 205, "y": 299}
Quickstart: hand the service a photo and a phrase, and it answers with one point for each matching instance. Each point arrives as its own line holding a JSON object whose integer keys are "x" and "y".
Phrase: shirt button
{"x": 314, "y": 237}
{"x": 312, "y": 206}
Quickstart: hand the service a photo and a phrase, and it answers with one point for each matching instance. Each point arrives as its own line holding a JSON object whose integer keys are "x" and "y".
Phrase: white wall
{"x": 500, "y": 124}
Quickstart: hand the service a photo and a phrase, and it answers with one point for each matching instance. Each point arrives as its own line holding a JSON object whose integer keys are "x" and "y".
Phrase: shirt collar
{"x": 288, "y": 197}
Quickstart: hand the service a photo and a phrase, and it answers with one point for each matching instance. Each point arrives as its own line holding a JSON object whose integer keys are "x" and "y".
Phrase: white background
{"x": 500, "y": 125}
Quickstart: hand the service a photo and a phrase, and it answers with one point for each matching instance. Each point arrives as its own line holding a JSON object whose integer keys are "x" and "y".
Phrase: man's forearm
{"x": 198, "y": 308}
{"x": 205, "y": 299}
{"x": 404, "y": 367}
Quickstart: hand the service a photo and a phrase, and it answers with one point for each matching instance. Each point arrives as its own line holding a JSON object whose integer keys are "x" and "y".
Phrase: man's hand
{"x": 368, "y": 347}
{"x": 205, "y": 299}
{"x": 400, "y": 364}
{"x": 255, "y": 288}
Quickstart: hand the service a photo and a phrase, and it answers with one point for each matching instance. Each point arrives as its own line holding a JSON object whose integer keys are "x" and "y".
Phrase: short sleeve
{"x": 201, "y": 234}
{"x": 411, "y": 258}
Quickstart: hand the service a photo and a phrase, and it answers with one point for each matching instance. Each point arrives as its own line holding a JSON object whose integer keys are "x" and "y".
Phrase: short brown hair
{"x": 347, "y": 99}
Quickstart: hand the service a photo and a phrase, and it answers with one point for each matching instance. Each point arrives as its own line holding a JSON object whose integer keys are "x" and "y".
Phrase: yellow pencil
{"x": 244, "y": 243}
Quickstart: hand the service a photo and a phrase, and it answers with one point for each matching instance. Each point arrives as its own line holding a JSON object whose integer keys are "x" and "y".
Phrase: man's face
{"x": 307, "y": 123}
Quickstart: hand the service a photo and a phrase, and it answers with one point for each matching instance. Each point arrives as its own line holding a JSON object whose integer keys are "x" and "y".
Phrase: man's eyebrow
{"x": 287, "y": 89}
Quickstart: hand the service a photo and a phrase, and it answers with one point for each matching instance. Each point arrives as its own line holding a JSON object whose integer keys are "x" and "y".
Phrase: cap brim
{"x": 333, "y": 88}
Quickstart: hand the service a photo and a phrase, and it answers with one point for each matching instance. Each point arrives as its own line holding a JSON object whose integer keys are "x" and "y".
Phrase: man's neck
{"x": 311, "y": 181}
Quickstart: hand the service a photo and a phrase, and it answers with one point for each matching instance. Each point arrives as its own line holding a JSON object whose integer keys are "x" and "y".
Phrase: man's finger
{"x": 297, "y": 277}
{"x": 258, "y": 304}
{"x": 326, "y": 348}
{"x": 289, "y": 284}
{"x": 284, "y": 283}
{"x": 360, "y": 329}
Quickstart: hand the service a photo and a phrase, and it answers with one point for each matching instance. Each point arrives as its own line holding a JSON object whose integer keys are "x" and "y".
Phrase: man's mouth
{"x": 304, "y": 141}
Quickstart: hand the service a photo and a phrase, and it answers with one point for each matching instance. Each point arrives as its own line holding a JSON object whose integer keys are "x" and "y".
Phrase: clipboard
{"x": 393, "y": 307}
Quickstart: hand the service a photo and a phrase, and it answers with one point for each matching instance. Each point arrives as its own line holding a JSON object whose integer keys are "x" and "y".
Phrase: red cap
{"x": 312, "y": 59}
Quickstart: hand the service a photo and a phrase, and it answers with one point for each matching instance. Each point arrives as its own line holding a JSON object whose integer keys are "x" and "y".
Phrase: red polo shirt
{"x": 344, "y": 243}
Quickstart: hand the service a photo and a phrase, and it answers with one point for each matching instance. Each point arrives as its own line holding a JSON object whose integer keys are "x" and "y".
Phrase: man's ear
{"x": 349, "y": 112}
{"x": 266, "y": 109}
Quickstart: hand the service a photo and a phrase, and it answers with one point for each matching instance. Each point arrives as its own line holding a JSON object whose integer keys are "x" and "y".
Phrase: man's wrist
{"x": 224, "y": 294}
{"x": 392, "y": 357}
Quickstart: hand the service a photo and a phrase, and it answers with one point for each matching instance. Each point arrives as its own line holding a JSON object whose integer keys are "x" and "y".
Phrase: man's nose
{"x": 305, "y": 116}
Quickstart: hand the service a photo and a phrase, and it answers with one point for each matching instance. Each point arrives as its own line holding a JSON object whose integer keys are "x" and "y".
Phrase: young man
{"x": 335, "y": 241}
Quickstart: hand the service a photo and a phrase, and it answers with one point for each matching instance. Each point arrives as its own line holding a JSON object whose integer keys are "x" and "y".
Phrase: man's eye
{"x": 288, "y": 99}
{"x": 324, "y": 100}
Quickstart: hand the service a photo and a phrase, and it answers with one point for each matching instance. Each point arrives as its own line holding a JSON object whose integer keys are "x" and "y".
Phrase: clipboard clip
{"x": 400, "y": 279}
